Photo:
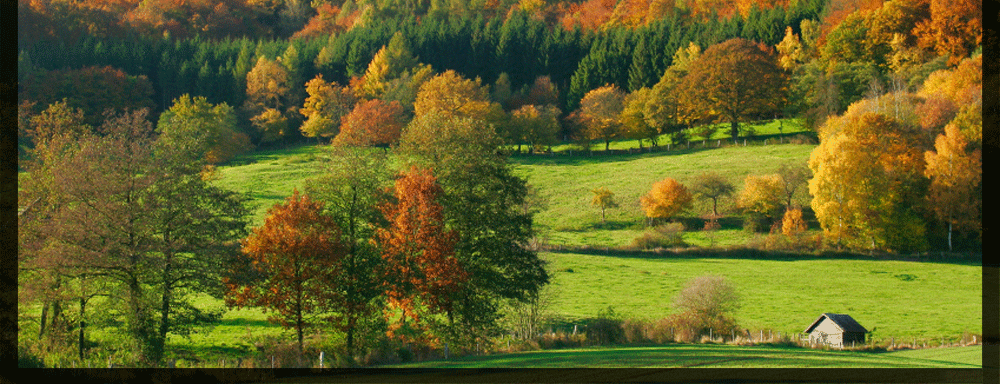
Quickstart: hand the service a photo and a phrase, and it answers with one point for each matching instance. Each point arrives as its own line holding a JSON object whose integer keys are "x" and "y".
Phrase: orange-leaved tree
{"x": 290, "y": 264}
{"x": 600, "y": 112}
{"x": 422, "y": 273}
{"x": 372, "y": 123}
{"x": 734, "y": 81}
{"x": 667, "y": 198}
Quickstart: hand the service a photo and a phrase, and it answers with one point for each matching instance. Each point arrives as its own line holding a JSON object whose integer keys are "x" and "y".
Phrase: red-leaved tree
{"x": 291, "y": 261}
{"x": 422, "y": 273}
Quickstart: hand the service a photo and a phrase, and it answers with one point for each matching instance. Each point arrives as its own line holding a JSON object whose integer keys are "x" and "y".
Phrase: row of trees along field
{"x": 126, "y": 220}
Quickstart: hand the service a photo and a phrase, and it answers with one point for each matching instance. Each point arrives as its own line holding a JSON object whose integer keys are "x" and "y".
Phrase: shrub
{"x": 663, "y": 236}
{"x": 706, "y": 303}
{"x": 606, "y": 329}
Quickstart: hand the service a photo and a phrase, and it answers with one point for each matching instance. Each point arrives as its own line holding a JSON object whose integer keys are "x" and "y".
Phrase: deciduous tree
{"x": 868, "y": 182}
{"x": 326, "y": 104}
{"x": 133, "y": 214}
{"x": 666, "y": 199}
{"x": 713, "y": 186}
{"x": 537, "y": 124}
{"x": 423, "y": 276}
{"x": 353, "y": 187}
{"x": 483, "y": 201}
{"x": 709, "y": 301}
{"x": 267, "y": 96}
{"x": 210, "y": 129}
{"x": 451, "y": 95}
{"x": 761, "y": 198}
{"x": 389, "y": 63}
{"x": 955, "y": 192}
{"x": 955, "y": 28}
{"x": 733, "y": 81}
{"x": 293, "y": 258}
{"x": 372, "y": 123}
{"x": 603, "y": 198}
{"x": 599, "y": 113}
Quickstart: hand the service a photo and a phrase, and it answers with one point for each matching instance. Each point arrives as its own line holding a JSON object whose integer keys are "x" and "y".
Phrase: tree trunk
{"x": 83, "y": 324}
{"x": 45, "y": 312}
{"x": 734, "y": 130}
{"x": 949, "y": 236}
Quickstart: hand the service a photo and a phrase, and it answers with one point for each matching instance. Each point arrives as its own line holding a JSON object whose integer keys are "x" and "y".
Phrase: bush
{"x": 606, "y": 329}
{"x": 664, "y": 236}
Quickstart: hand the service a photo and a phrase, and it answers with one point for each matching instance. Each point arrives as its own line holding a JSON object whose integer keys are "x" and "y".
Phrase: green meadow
{"x": 779, "y": 293}
{"x": 716, "y": 356}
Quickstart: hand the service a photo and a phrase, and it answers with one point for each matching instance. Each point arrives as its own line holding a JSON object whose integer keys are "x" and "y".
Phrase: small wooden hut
{"x": 836, "y": 330}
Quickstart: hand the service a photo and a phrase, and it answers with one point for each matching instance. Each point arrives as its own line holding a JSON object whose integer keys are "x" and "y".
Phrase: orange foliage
{"x": 295, "y": 256}
{"x": 373, "y": 122}
{"x": 666, "y": 199}
{"x": 322, "y": 24}
{"x": 422, "y": 273}
{"x": 590, "y": 15}
{"x": 955, "y": 28}
{"x": 792, "y": 223}
{"x": 962, "y": 85}
{"x": 838, "y": 10}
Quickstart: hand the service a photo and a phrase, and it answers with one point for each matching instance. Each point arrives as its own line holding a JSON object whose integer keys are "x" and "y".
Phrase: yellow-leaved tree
{"x": 761, "y": 199}
{"x": 666, "y": 199}
{"x": 326, "y": 104}
{"x": 955, "y": 193}
{"x": 868, "y": 182}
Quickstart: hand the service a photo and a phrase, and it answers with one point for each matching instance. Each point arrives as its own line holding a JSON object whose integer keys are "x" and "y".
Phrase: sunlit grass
{"x": 783, "y": 293}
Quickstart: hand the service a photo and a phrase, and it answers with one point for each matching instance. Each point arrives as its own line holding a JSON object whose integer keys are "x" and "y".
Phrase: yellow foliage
{"x": 793, "y": 224}
{"x": 762, "y": 195}
{"x": 867, "y": 182}
{"x": 956, "y": 176}
{"x": 666, "y": 199}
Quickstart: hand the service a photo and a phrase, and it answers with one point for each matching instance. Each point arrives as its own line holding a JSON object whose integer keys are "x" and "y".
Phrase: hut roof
{"x": 844, "y": 322}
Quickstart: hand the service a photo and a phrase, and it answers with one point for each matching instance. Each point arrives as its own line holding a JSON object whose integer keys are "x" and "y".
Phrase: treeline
{"x": 520, "y": 45}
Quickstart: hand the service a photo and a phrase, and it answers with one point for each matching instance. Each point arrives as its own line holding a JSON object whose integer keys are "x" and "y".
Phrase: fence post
{"x": 272, "y": 361}
{"x": 709, "y": 333}
{"x": 321, "y": 359}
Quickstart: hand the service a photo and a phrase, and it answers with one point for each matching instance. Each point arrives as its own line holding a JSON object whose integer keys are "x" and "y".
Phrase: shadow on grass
{"x": 612, "y": 225}
{"x": 757, "y": 254}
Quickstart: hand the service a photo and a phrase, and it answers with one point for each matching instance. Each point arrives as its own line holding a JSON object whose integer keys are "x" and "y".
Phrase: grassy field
{"x": 901, "y": 299}
{"x": 716, "y": 356}
{"x": 565, "y": 184}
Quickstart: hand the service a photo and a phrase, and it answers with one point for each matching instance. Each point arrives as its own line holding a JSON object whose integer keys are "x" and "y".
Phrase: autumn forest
{"x": 420, "y": 234}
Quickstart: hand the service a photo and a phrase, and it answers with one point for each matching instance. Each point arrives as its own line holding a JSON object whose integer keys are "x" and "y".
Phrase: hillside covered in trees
{"x": 126, "y": 108}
